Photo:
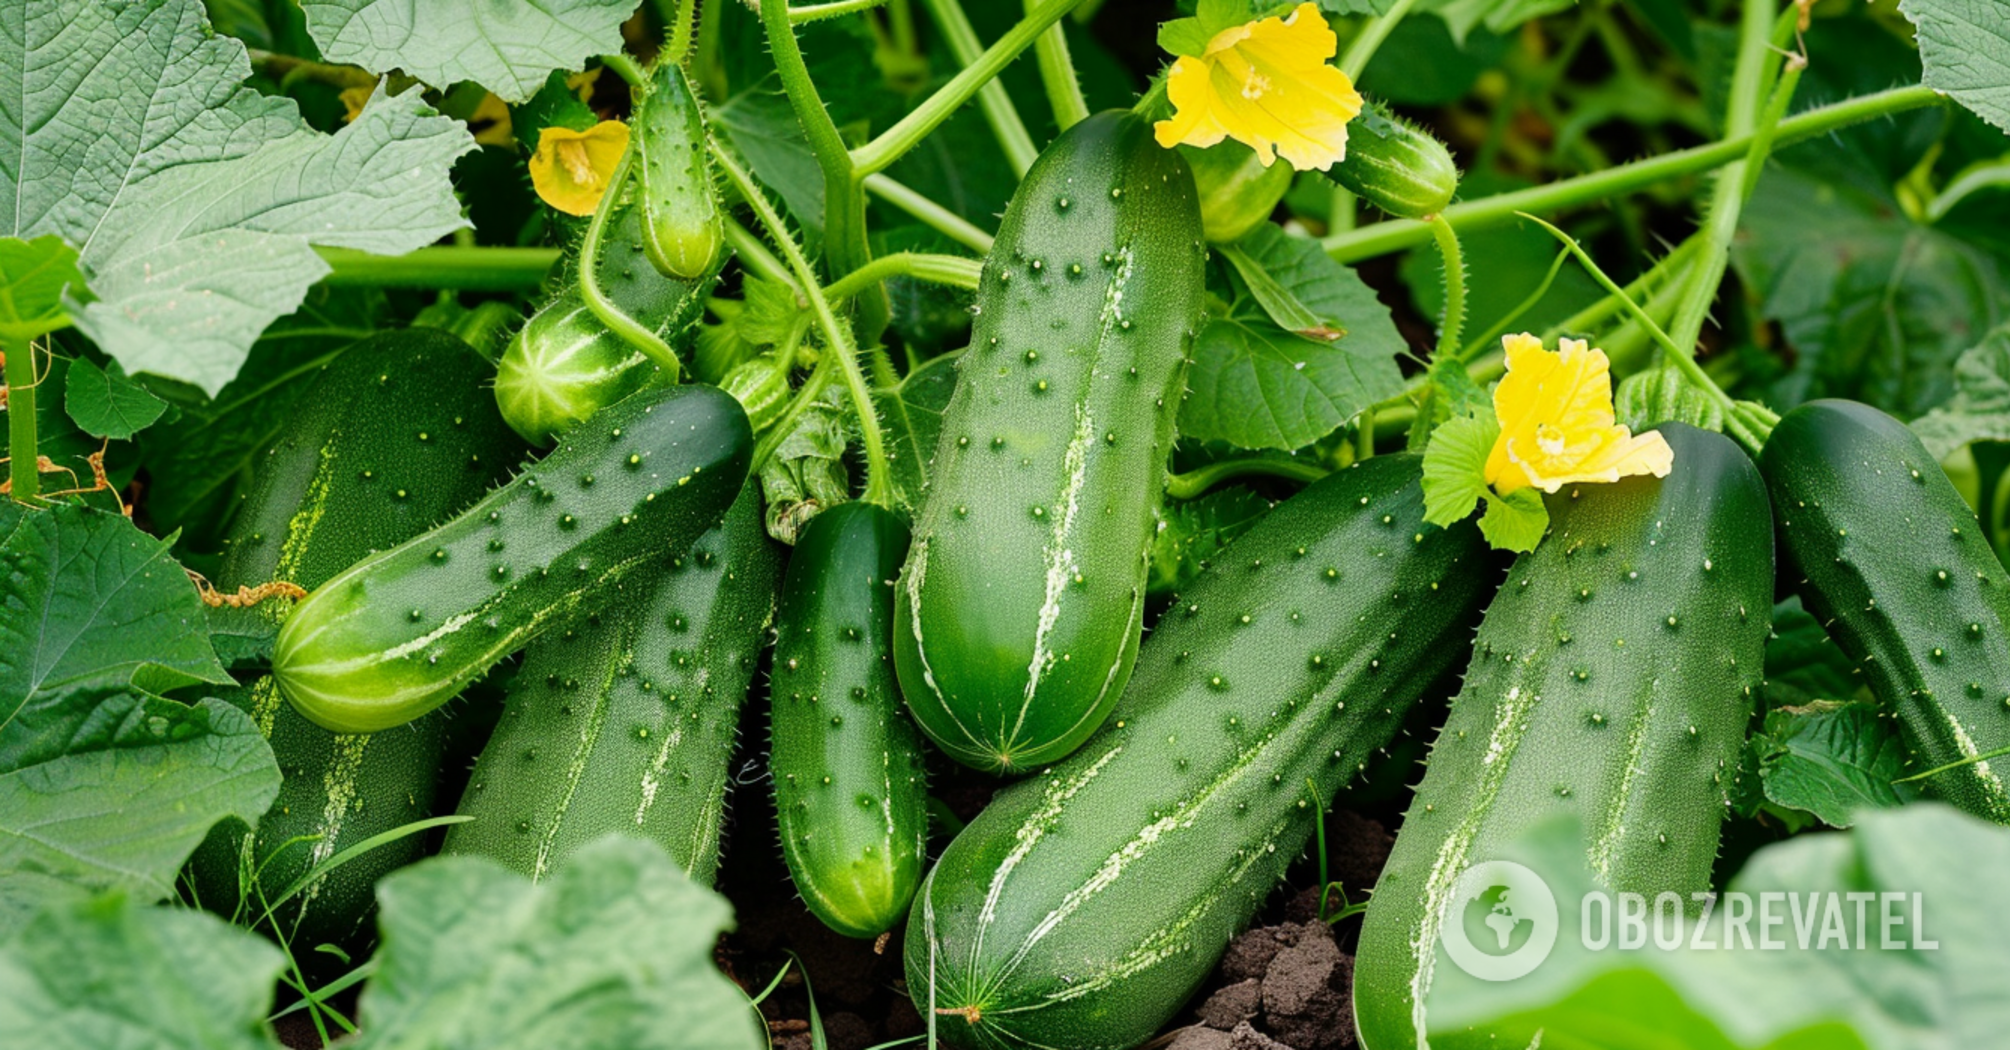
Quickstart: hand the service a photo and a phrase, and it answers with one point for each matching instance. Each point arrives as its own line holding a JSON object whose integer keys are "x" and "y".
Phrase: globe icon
{"x": 1491, "y": 924}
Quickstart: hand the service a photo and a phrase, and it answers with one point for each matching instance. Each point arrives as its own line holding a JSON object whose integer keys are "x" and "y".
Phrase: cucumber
{"x": 1890, "y": 558}
{"x": 397, "y": 433}
{"x": 564, "y": 365}
{"x": 627, "y": 720}
{"x": 400, "y": 632}
{"x": 1084, "y": 905}
{"x": 1612, "y": 679}
{"x": 1395, "y": 165}
{"x": 1021, "y": 602}
{"x": 683, "y": 231}
{"x": 850, "y": 793}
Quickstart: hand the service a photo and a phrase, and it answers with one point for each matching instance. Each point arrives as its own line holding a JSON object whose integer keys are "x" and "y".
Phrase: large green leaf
{"x": 194, "y": 201}
{"x": 614, "y": 952}
{"x": 1254, "y": 384}
{"x": 88, "y": 597}
{"x": 106, "y": 403}
{"x": 1980, "y": 407}
{"x": 1830, "y": 760}
{"x": 1908, "y": 997}
{"x": 508, "y": 48}
{"x": 103, "y": 973}
{"x": 1966, "y": 48}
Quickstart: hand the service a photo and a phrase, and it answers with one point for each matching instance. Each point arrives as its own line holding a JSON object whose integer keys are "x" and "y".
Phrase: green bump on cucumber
{"x": 1612, "y": 680}
{"x": 1085, "y": 904}
{"x": 400, "y": 632}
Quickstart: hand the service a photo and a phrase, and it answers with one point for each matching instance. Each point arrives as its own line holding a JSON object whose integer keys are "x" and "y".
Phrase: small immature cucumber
{"x": 1889, "y": 557}
{"x": 849, "y": 787}
{"x": 1084, "y": 905}
{"x": 1395, "y": 165}
{"x": 1612, "y": 679}
{"x": 398, "y": 433}
{"x": 1236, "y": 191}
{"x": 683, "y": 230}
{"x": 1022, "y": 599}
{"x": 564, "y": 365}
{"x": 400, "y": 632}
{"x": 626, "y": 720}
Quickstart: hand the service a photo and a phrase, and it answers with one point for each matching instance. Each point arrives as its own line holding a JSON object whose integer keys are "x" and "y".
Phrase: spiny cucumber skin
{"x": 627, "y": 720}
{"x": 1890, "y": 558}
{"x": 400, "y": 632}
{"x": 397, "y": 434}
{"x": 1084, "y": 905}
{"x": 851, "y": 796}
{"x": 682, "y": 229}
{"x": 1021, "y": 603}
{"x": 564, "y": 365}
{"x": 1611, "y": 679}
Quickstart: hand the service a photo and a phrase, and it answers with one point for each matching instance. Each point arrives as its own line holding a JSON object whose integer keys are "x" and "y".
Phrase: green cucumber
{"x": 400, "y": 632}
{"x": 627, "y": 720}
{"x": 1889, "y": 557}
{"x": 1395, "y": 165}
{"x": 850, "y": 793}
{"x": 564, "y": 365}
{"x": 396, "y": 434}
{"x": 1236, "y": 190}
{"x": 1612, "y": 679}
{"x": 683, "y": 230}
{"x": 1021, "y": 603}
{"x": 1083, "y": 906}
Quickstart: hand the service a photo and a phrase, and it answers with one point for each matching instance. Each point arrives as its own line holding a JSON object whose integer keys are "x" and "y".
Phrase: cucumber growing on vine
{"x": 396, "y": 434}
{"x": 850, "y": 794}
{"x": 400, "y": 632}
{"x": 1022, "y": 599}
{"x": 1892, "y": 561}
{"x": 627, "y": 719}
{"x": 1612, "y": 680}
{"x": 1085, "y": 904}
{"x": 1395, "y": 165}
{"x": 683, "y": 229}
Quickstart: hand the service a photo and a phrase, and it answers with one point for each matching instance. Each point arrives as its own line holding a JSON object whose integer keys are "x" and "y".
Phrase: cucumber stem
{"x": 999, "y": 111}
{"x": 23, "y": 475}
{"x": 812, "y": 388}
{"x": 468, "y": 269}
{"x": 1057, "y": 72}
{"x": 1373, "y": 32}
{"x": 627, "y": 69}
{"x": 1197, "y": 481}
{"x": 954, "y": 271}
{"x": 838, "y": 341}
{"x": 682, "y": 25}
{"x": 614, "y": 317}
{"x": 813, "y": 12}
{"x": 1454, "y": 322}
{"x": 933, "y": 215}
{"x": 1384, "y": 237}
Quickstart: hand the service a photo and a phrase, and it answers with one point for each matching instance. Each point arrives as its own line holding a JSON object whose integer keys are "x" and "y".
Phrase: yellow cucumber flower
{"x": 1267, "y": 84}
{"x": 571, "y": 168}
{"x": 1557, "y": 426}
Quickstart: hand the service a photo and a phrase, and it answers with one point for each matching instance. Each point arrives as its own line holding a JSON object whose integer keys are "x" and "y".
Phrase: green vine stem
{"x": 627, "y": 69}
{"x": 1197, "y": 481}
{"x": 785, "y": 424}
{"x": 467, "y": 269}
{"x": 23, "y": 476}
{"x": 1354, "y": 61}
{"x": 754, "y": 255}
{"x": 1385, "y": 237}
{"x": 1057, "y": 72}
{"x": 955, "y": 271}
{"x": 933, "y": 215}
{"x": 992, "y": 98}
{"x": 1453, "y": 326}
{"x": 682, "y": 26}
{"x": 813, "y": 12}
{"x": 614, "y": 317}
{"x": 837, "y": 339}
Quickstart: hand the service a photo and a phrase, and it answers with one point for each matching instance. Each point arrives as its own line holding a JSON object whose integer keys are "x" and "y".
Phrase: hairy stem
{"x": 617, "y": 320}
{"x": 1454, "y": 323}
{"x": 1057, "y": 73}
{"x": 1385, "y": 237}
{"x": 999, "y": 111}
{"x": 952, "y": 270}
{"x": 812, "y": 12}
{"x": 1365, "y": 43}
{"x": 933, "y": 215}
{"x": 24, "y": 479}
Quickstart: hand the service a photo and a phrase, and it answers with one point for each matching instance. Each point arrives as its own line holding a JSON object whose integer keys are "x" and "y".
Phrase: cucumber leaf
{"x": 104, "y": 403}
{"x": 1192, "y": 531}
{"x": 1980, "y": 407}
{"x": 1829, "y": 760}
{"x": 194, "y": 201}
{"x": 612, "y": 951}
{"x": 1965, "y": 45}
{"x": 1802, "y": 664}
{"x": 1498, "y": 16}
{"x": 912, "y": 415}
{"x": 506, "y": 48}
{"x": 109, "y": 972}
{"x": 1906, "y": 997}
{"x": 1455, "y": 465}
{"x": 35, "y": 277}
{"x": 1256, "y": 384}
{"x": 1515, "y": 522}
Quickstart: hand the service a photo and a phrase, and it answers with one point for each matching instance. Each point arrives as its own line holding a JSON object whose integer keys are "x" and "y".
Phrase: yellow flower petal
{"x": 1557, "y": 425}
{"x": 491, "y": 116}
{"x": 354, "y": 99}
{"x": 1266, "y": 84}
{"x": 571, "y": 168}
